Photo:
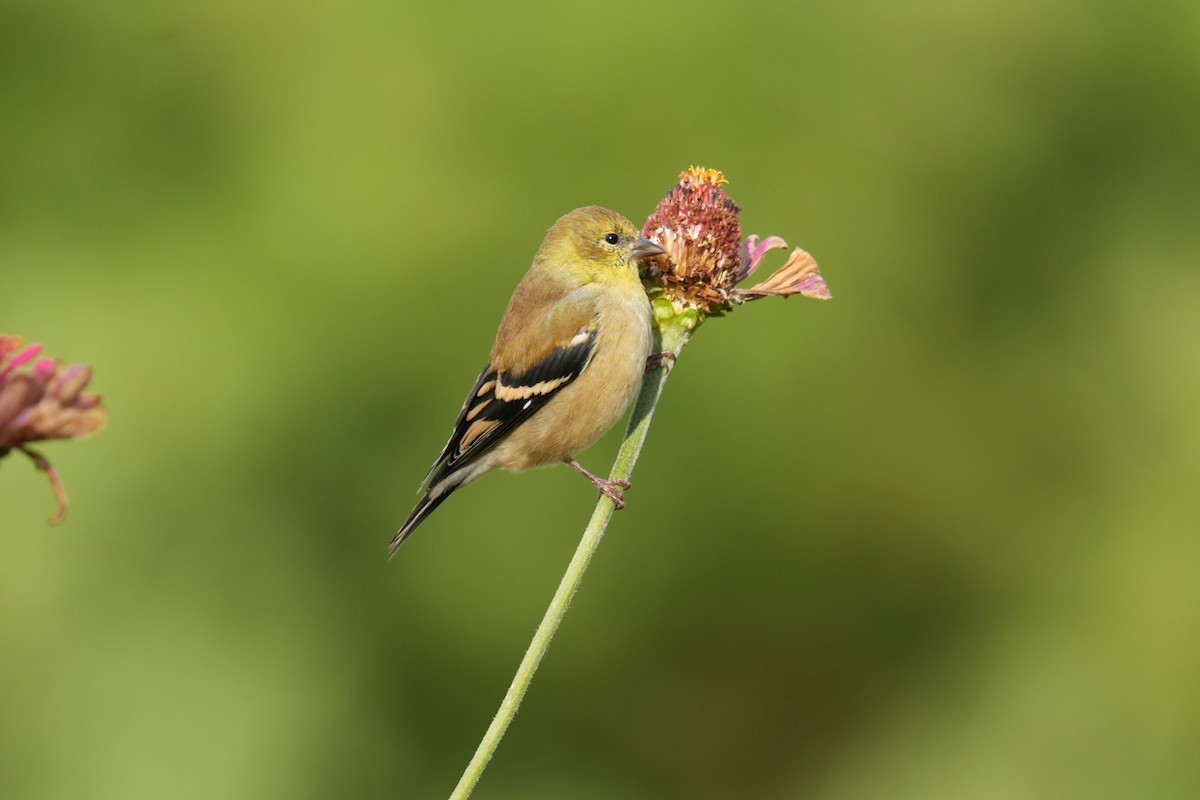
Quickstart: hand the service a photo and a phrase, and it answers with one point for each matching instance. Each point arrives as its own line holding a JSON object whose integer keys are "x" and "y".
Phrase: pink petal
{"x": 20, "y": 358}
{"x": 753, "y": 252}
{"x": 70, "y": 383}
{"x": 799, "y": 275}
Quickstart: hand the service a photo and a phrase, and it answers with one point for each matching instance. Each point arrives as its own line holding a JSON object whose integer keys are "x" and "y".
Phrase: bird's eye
{"x": 612, "y": 238}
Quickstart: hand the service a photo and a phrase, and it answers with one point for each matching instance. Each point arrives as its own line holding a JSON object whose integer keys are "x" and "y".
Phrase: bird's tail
{"x": 423, "y": 509}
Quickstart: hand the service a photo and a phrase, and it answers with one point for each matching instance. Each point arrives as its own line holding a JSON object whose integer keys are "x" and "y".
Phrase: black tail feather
{"x": 423, "y": 509}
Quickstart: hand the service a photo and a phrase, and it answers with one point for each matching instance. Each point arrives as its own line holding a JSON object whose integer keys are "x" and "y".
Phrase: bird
{"x": 568, "y": 359}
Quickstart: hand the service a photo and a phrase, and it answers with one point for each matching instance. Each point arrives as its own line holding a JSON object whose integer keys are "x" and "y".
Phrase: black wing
{"x": 500, "y": 401}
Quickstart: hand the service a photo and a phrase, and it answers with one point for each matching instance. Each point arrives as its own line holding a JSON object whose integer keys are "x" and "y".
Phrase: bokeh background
{"x": 937, "y": 538}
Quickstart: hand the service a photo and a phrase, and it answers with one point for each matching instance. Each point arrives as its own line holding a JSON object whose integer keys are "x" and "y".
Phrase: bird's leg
{"x": 610, "y": 489}
{"x": 659, "y": 360}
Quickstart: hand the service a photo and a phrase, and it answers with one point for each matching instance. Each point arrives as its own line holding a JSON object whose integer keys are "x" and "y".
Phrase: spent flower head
{"x": 43, "y": 398}
{"x": 697, "y": 224}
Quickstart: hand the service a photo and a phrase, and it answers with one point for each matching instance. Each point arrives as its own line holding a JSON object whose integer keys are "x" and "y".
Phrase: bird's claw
{"x": 659, "y": 360}
{"x": 612, "y": 490}
{"x": 607, "y": 488}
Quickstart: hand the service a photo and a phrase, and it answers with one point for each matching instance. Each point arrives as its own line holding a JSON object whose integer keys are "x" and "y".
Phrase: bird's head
{"x": 598, "y": 240}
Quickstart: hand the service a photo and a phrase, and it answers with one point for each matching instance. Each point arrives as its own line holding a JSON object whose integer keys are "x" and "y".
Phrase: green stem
{"x": 672, "y": 339}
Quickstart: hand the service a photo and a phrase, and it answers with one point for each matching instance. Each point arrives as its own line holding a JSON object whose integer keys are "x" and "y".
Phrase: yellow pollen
{"x": 700, "y": 175}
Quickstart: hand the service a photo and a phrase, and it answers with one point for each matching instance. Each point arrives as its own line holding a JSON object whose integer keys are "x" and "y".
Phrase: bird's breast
{"x": 584, "y": 410}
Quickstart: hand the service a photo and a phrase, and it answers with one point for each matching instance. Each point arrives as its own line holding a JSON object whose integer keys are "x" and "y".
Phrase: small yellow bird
{"x": 568, "y": 359}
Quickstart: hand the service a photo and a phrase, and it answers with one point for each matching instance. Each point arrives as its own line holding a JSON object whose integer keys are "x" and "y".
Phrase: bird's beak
{"x": 644, "y": 248}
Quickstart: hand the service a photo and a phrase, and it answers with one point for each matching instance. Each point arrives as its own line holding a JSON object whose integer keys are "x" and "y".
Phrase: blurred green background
{"x": 936, "y": 538}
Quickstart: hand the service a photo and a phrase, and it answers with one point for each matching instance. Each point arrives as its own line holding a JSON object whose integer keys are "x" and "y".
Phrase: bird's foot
{"x": 659, "y": 360}
{"x": 610, "y": 489}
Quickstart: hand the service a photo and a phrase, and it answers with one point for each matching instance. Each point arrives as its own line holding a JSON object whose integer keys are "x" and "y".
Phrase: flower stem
{"x": 670, "y": 338}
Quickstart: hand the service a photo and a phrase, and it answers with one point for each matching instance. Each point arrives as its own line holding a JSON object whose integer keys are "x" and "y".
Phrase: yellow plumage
{"x": 567, "y": 361}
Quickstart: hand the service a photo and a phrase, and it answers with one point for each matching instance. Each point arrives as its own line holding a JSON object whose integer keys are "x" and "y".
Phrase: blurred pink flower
{"x": 42, "y": 398}
{"x": 697, "y": 224}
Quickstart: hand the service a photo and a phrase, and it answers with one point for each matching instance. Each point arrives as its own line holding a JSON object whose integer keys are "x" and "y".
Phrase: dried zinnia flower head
{"x": 43, "y": 398}
{"x": 697, "y": 224}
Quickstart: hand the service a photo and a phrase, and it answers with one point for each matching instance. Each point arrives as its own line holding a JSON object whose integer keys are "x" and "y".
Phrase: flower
{"x": 43, "y": 398}
{"x": 698, "y": 225}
